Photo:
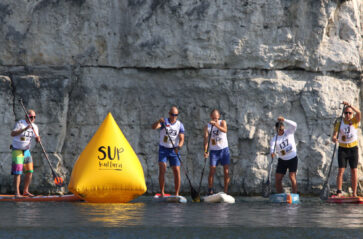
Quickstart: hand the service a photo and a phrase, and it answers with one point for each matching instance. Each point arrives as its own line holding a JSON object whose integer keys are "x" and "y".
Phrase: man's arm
{"x": 157, "y": 124}
{"x": 292, "y": 124}
{"x": 181, "y": 140}
{"x": 334, "y": 137}
{"x": 17, "y": 132}
{"x": 222, "y": 127}
{"x": 356, "y": 110}
{"x": 36, "y": 131}
{"x": 206, "y": 138}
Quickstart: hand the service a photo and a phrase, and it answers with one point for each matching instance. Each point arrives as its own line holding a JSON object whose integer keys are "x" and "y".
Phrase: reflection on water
{"x": 32, "y": 213}
{"x": 109, "y": 215}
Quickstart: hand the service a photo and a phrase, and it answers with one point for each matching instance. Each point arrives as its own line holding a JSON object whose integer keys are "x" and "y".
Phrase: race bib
{"x": 214, "y": 142}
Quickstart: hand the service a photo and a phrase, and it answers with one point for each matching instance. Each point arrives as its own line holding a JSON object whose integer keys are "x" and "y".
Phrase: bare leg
{"x": 226, "y": 177}
{"x": 176, "y": 171}
{"x": 162, "y": 169}
{"x": 340, "y": 180}
{"x": 212, "y": 170}
{"x": 293, "y": 182}
{"x": 278, "y": 182}
{"x": 27, "y": 181}
{"x": 17, "y": 179}
{"x": 354, "y": 180}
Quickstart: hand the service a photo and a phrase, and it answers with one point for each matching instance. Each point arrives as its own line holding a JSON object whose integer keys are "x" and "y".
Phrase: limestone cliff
{"x": 74, "y": 61}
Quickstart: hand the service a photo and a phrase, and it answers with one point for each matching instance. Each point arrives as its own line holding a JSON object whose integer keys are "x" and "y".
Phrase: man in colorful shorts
{"x": 22, "y": 134}
{"x": 219, "y": 151}
{"x": 168, "y": 150}
{"x": 348, "y": 146}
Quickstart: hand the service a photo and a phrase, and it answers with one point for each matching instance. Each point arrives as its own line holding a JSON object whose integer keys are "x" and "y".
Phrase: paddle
{"x": 195, "y": 195}
{"x": 324, "y": 194}
{"x": 57, "y": 180}
{"x": 205, "y": 159}
{"x": 266, "y": 186}
{"x": 359, "y": 188}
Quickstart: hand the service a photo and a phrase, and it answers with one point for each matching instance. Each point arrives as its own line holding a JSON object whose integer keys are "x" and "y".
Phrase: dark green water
{"x": 251, "y": 217}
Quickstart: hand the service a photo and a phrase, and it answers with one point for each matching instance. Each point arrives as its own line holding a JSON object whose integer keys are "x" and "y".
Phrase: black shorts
{"x": 283, "y": 165}
{"x": 348, "y": 154}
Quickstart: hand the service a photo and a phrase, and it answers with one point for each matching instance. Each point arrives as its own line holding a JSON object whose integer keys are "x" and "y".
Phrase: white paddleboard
{"x": 170, "y": 198}
{"x": 220, "y": 197}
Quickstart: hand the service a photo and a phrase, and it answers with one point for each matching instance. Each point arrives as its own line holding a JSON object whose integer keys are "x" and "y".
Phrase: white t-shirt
{"x": 174, "y": 130}
{"x": 218, "y": 139}
{"x": 23, "y": 140}
{"x": 285, "y": 144}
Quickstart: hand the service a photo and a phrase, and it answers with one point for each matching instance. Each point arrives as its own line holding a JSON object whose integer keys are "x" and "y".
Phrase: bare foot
{"x": 28, "y": 194}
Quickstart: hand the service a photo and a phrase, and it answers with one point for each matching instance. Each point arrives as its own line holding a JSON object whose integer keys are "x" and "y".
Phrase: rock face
{"x": 74, "y": 61}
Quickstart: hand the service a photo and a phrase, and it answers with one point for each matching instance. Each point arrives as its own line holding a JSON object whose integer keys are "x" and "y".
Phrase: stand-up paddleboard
{"x": 220, "y": 197}
{"x": 40, "y": 198}
{"x": 335, "y": 199}
{"x": 170, "y": 198}
{"x": 290, "y": 198}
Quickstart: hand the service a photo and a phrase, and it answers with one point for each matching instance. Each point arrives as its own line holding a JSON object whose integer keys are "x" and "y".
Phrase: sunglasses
{"x": 31, "y": 116}
{"x": 348, "y": 113}
{"x": 173, "y": 114}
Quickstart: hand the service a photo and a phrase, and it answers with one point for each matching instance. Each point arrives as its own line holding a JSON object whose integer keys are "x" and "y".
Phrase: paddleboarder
{"x": 348, "y": 146}
{"x": 21, "y": 158}
{"x": 218, "y": 146}
{"x": 286, "y": 152}
{"x": 166, "y": 151}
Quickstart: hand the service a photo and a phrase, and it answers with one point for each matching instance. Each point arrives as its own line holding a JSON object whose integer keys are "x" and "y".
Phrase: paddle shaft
{"x": 177, "y": 154}
{"x": 335, "y": 146}
{"x": 272, "y": 159}
{"x": 205, "y": 159}
{"x": 40, "y": 142}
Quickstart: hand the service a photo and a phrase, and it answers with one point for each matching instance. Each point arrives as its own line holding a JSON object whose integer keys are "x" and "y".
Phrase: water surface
{"x": 249, "y": 217}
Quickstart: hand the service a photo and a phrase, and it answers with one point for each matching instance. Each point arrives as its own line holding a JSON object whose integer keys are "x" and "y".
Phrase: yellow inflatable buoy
{"x": 108, "y": 170}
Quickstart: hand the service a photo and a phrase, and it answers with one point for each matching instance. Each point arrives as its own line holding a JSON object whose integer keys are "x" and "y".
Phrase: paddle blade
{"x": 324, "y": 194}
{"x": 58, "y": 181}
{"x": 195, "y": 195}
{"x": 266, "y": 189}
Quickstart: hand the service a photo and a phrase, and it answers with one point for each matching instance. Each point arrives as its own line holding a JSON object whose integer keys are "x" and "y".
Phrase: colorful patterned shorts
{"x": 21, "y": 159}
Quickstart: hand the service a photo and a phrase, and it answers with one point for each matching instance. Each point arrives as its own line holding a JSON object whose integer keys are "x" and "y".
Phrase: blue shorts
{"x": 166, "y": 154}
{"x": 219, "y": 157}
